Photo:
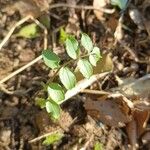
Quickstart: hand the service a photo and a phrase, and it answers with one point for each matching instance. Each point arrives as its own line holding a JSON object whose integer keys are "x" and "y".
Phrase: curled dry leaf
{"x": 137, "y": 126}
{"x": 141, "y": 118}
{"x": 99, "y": 4}
{"x": 115, "y": 110}
{"x": 131, "y": 129}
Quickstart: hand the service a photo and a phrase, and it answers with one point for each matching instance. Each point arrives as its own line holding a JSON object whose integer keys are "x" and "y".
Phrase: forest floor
{"x": 117, "y": 119}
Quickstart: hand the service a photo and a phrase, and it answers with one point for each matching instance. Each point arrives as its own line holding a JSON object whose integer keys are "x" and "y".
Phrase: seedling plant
{"x": 84, "y": 54}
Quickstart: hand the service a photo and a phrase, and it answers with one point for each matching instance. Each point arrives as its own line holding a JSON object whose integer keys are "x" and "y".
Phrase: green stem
{"x": 65, "y": 64}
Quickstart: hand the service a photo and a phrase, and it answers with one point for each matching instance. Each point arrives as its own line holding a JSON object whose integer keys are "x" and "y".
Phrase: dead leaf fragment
{"x": 99, "y": 4}
{"x": 113, "y": 111}
{"x": 131, "y": 129}
{"x": 131, "y": 87}
{"x": 137, "y": 18}
{"x": 141, "y": 118}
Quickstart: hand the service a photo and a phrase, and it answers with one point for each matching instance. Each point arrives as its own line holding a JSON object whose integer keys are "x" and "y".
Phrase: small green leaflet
{"x": 53, "y": 108}
{"x": 98, "y": 146}
{"x": 28, "y": 31}
{"x": 56, "y": 92}
{"x": 53, "y": 138}
{"x": 40, "y": 102}
{"x": 86, "y": 42}
{"x": 50, "y": 59}
{"x": 63, "y": 36}
{"x": 120, "y": 3}
{"x": 95, "y": 56}
{"x": 67, "y": 78}
{"x": 72, "y": 47}
{"x": 85, "y": 68}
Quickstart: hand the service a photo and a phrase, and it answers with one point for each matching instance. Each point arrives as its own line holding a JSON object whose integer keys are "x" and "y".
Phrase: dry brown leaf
{"x": 131, "y": 129}
{"x": 141, "y": 118}
{"x": 115, "y": 110}
{"x": 142, "y": 105}
{"x": 99, "y": 4}
{"x": 131, "y": 87}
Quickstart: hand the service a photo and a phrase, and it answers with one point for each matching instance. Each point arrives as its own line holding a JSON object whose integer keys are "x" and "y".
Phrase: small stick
{"x": 97, "y": 92}
{"x": 44, "y": 135}
{"x": 20, "y": 23}
{"x": 21, "y": 69}
{"x": 45, "y": 31}
{"x": 109, "y": 11}
{"x": 81, "y": 85}
{"x": 12, "y": 30}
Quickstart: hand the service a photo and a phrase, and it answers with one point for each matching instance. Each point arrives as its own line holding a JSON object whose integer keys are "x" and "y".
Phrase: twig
{"x": 133, "y": 54}
{"x": 96, "y": 92}
{"x": 86, "y": 146}
{"x": 45, "y": 31}
{"x": 21, "y": 69}
{"x": 23, "y": 20}
{"x": 82, "y": 85}
{"x": 12, "y": 30}
{"x": 109, "y": 11}
{"x": 3, "y": 89}
{"x": 44, "y": 135}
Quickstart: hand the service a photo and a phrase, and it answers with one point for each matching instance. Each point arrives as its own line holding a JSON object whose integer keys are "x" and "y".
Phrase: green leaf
{"x": 85, "y": 68}
{"x": 50, "y": 59}
{"x": 67, "y": 78}
{"x": 53, "y": 108}
{"x": 95, "y": 56}
{"x": 41, "y": 102}
{"x": 98, "y": 146}
{"x": 28, "y": 31}
{"x": 120, "y": 3}
{"x": 56, "y": 92}
{"x": 53, "y": 138}
{"x": 72, "y": 47}
{"x": 63, "y": 36}
{"x": 86, "y": 42}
